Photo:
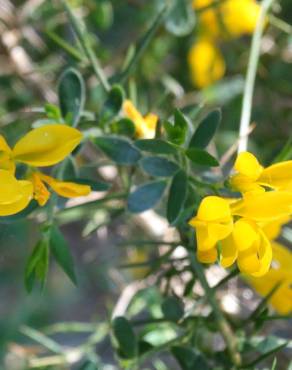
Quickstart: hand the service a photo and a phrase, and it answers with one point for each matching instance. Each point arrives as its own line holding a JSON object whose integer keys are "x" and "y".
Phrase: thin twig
{"x": 251, "y": 76}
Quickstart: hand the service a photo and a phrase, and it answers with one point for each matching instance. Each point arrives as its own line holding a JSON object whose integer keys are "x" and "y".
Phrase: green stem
{"x": 251, "y": 76}
{"x": 87, "y": 47}
{"x": 223, "y": 325}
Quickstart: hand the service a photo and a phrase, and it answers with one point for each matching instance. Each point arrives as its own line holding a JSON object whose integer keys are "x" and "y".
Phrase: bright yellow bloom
{"x": 249, "y": 246}
{"x": 250, "y": 176}
{"x": 273, "y": 228}
{"x": 230, "y": 19}
{"x": 43, "y": 146}
{"x": 280, "y": 273}
{"x": 213, "y": 223}
{"x": 145, "y": 126}
{"x": 14, "y": 194}
{"x": 206, "y": 63}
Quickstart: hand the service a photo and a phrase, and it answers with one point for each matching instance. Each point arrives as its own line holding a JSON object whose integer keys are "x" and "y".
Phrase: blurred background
{"x": 36, "y": 45}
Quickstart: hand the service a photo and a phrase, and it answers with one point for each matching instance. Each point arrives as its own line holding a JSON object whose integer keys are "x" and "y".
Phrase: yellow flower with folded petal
{"x": 145, "y": 126}
{"x": 251, "y": 176}
{"x": 206, "y": 63}
{"x": 248, "y": 245}
{"x": 280, "y": 273}
{"x": 41, "y": 147}
{"x": 14, "y": 194}
{"x": 213, "y": 223}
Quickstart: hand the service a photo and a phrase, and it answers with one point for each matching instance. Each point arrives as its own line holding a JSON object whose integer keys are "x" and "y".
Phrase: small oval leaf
{"x": 158, "y": 166}
{"x": 120, "y": 150}
{"x": 172, "y": 308}
{"x": 146, "y": 196}
{"x": 125, "y": 337}
{"x": 206, "y": 130}
{"x": 177, "y": 196}
{"x": 113, "y": 103}
{"x": 71, "y": 93}
{"x": 181, "y": 18}
{"x": 156, "y": 146}
{"x": 201, "y": 157}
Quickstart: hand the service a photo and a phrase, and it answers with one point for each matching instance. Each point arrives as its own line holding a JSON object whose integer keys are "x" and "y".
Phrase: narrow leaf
{"x": 125, "y": 337}
{"x": 177, "y": 196}
{"x": 156, "y": 146}
{"x": 201, "y": 157}
{"x": 158, "y": 166}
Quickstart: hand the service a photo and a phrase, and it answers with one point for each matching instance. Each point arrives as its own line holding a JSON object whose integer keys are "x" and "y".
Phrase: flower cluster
{"x": 41, "y": 147}
{"x": 227, "y": 20}
{"x": 242, "y": 229}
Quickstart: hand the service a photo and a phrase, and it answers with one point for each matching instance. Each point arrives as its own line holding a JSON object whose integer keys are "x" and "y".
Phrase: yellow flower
{"x": 41, "y": 147}
{"x": 230, "y": 19}
{"x": 145, "y": 126}
{"x": 213, "y": 223}
{"x": 250, "y": 176}
{"x": 249, "y": 246}
{"x": 206, "y": 63}
{"x": 280, "y": 273}
{"x": 14, "y": 194}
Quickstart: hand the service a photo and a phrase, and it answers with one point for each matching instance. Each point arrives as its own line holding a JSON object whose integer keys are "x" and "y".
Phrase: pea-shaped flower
{"x": 40, "y": 147}
{"x": 213, "y": 223}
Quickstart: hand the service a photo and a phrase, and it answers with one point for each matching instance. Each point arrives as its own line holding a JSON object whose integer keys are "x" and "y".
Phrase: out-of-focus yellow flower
{"x": 250, "y": 176}
{"x": 206, "y": 63}
{"x": 249, "y": 246}
{"x": 230, "y": 19}
{"x": 41, "y": 147}
{"x": 145, "y": 126}
{"x": 213, "y": 223}
{"x": 280, "y": 273}
{"x": 14, "y": 194}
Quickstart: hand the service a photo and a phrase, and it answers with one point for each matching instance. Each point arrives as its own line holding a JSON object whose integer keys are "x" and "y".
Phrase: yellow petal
{"x": 248, "y": 261}
{"x": 206, "y": 63}
{"x": 6, "y": 162}
{"x": 264, "y": 207}
{"x": 247, "y": 165}
{"x": 14, "y": 194}
{"x": 228, "y": 252}
{"x": 273, "y": 228}
{"x": 46, "y": 145}
{"x": 214, "y": 208}
{"x": 40, "y": 192}
{"x": 278, "y": 176}
{"x": 65, "y": 188}
{"x": 245, "y": 234}
{"x": 205, "y": 240}
{"x": 220, "y": 230}
{"x": 209, "y": 256}
{"x": 131, "y": 111}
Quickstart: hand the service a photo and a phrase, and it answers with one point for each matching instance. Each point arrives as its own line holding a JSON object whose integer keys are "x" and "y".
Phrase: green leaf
{"x": 201, "y": 157}
{"x": 176, "y": 132}
{"x": 189, "y": 359}
{"x": 120, "y": 150}
{"x": 206, "y": 130}
{"x": 146, "y": 196}
{"x": 158, "y": 166}
{"x": 177, "y": 196}
{"x": 172, "y": 309}
{"x": 71, "y": 93}
{"x": 89, "y": 365}
{"x": 113, "y": 103}
{"x": 181, "y": 18}
{"x": 37, "y": 265}
{"x": 125, "y": 336}
{"x": 156, "y": 146}
{"x": 61, "y": 251}
{"x": 124, "y": 126}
